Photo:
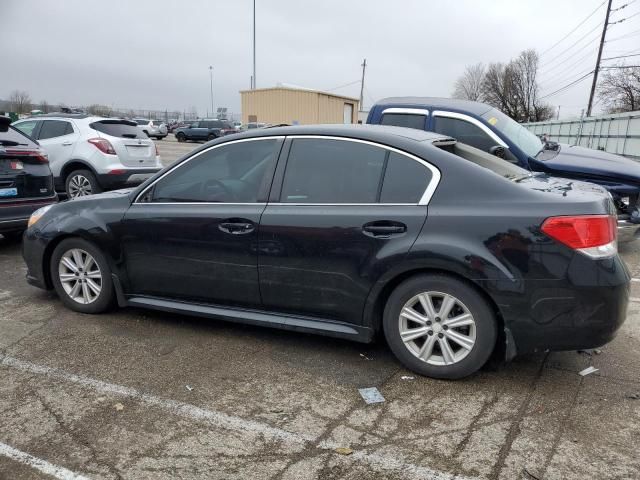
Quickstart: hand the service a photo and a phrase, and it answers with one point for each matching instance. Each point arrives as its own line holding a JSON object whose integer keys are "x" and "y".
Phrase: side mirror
{"x": 498, "y": 151}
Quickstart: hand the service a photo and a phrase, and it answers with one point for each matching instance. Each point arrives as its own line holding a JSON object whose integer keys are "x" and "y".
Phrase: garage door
{"x": 348, "y": 113}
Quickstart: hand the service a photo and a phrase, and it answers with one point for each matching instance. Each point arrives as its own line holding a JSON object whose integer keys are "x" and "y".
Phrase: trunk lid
{"x": 133, "y": 147}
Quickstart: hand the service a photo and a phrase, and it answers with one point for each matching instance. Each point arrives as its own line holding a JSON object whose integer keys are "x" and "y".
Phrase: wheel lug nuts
{"x": 440, "y": 335}
{"x": 437, "y": 319}
{"x": 430, "y": 332}
{"x": 444, "y": 327}
{"x": 428, "y": 322}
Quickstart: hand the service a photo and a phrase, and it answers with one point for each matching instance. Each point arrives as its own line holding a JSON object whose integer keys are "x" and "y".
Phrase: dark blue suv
{"x": 490, "y": 130}
{"x": 204, "y": 130}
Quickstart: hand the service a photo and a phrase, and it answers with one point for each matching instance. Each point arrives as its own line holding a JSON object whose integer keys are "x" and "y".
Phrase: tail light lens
{"x": 593, "y": 235}
{"x": 103, "y": 145}
{"x": 37, "y": 154}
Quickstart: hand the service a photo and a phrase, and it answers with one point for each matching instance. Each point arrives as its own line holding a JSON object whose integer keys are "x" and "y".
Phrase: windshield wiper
{"x": 11, "y": 143}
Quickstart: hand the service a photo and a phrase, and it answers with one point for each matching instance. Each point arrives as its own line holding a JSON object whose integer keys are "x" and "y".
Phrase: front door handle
{"x": 66, "y": 144}
{"x": 236, "y": 226}
{"x": 384, "y": 229}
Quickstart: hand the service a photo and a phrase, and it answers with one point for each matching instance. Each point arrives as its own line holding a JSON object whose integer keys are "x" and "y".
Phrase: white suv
{"x": 152, "y": 128}
{"x": 90, "y": 154}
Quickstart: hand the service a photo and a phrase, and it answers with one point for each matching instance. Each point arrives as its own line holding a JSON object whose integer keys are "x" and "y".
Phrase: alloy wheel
{"x": 79, "y": 186}
{"x": 80, "y": 276}
{"x": 437, "y": 328}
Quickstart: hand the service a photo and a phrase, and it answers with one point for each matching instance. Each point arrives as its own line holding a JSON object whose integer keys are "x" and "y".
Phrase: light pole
{"x": 253, "y": 78}
{"x": 211, "y": 85}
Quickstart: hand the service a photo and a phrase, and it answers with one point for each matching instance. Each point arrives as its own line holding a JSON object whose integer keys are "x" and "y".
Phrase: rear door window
{"x": 54, "y": 128}
{"x": 27, "y": 127}
{"x": 118, "y": 129}
{"x": 464, "y": 132}
{"x": 405, "y": 180}
{"x": 409, "y": 120}
{"x": 332, "y": 171}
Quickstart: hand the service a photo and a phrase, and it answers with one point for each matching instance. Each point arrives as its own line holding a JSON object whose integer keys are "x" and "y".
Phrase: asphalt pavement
{"x": 136, "y": 394}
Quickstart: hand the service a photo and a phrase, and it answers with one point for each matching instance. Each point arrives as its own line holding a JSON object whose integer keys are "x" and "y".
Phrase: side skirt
{"x": 253, "y": 317}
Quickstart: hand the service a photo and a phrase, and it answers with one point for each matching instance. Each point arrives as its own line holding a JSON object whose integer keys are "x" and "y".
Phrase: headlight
{"x": 37, "y": 215}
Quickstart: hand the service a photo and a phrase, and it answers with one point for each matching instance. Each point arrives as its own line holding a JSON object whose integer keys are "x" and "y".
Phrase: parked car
{"x": 348, "y": 231}
{"x": 490, "y": 130}
{"x": 254, "y": 125}
{"x": 89, "y": 154}
{"x": 26, "y": 183}
{"x": 204, "y": 130}
{"x": 152, "y": 128}
{"x": 237, "y": 126}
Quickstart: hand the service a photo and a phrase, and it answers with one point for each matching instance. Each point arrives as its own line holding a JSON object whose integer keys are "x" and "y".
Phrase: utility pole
{"x": 253, "y": 78}
{"x": 597, "y": 69}
{"x": 558, "y": 115}
{"x": 211, "y": 85}
{"x": 364, "y": 67}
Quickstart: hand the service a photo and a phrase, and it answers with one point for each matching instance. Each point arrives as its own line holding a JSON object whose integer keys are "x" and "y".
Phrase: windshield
{"x": 516, "y": 133}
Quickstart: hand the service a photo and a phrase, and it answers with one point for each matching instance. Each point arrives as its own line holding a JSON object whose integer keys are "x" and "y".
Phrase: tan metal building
{"x": 297, "y": 106}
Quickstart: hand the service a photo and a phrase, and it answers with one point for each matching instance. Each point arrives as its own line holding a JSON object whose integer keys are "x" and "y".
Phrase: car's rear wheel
{"x": 439, "y": 326}
{"x": 81, "y": 276}
{"x": 211, "y": 137}
{"x": 80, "y": 183}
{"x": 180, "y": 137}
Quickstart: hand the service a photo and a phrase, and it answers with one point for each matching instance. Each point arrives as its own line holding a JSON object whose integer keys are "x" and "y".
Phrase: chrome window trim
{"x": 407, "y": 111}
{"x": 473, "y": 121}
{"x": 426, "y": 196}
{"x": 175, "y": 167}
{"x": 424, "y": 199}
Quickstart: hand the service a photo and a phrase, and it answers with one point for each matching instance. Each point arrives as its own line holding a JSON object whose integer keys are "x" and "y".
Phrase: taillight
{"x": 37, "y": 154}
{"x": 103, "y": 145}
{"x": 593, "y": 235}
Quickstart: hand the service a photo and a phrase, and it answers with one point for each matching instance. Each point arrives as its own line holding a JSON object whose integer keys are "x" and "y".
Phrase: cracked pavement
{"x": 106, "y": 397}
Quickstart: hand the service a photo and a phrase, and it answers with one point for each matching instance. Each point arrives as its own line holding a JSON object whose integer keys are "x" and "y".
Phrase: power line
{"x": 574, "y": 29}
{"x": 573, "y": 75}
{"x": 342, "y": 86}
{"x": 574, "y": 44}
{"x": 561, "y": 89}
{"x": 630, "y": 34}
{"x": 622, "y": 56}
{"x": 566, "y": 67}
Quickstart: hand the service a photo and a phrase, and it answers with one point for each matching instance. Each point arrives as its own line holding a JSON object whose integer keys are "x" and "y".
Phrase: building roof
{"x": 437, "y": 102}
{"x": 299, "y": 89}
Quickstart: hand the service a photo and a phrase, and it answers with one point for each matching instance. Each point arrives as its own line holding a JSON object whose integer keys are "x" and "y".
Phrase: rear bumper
{"x": 583, "y": 311}
{"x": 15, "y": 215}
{"x": 130, "y": 178}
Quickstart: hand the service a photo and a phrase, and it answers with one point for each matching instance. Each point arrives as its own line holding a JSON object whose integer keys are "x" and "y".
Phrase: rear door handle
{"x": 383, "y": 228}
{"x": 236, "y": 226}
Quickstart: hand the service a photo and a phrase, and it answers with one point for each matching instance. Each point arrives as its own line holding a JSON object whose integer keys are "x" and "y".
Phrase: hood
{"x": 586, "y": 162}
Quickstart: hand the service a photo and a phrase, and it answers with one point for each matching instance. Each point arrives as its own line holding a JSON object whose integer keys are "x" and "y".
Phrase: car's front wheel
{"x": 81, "y": 276}
{"x": 439, "y": 326}
{"x": 80, "y": 183}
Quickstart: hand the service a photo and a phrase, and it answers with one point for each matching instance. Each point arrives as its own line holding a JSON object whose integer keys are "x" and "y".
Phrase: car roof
{"x": 476, "y": 108}
{"x": 364, "y": 132}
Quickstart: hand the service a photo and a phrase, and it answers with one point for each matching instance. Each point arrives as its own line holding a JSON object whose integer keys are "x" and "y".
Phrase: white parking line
{"x": 635, "y": 279}
{"x": 230, "y": 422}
{"x": 39, "y": 464}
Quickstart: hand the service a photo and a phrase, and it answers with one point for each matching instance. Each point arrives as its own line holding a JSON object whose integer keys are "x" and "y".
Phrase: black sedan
{"x": 26, "y": 183}
{"x": 348, "y": 231}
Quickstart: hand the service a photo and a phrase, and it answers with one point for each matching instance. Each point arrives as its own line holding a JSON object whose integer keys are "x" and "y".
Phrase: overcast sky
{"x": 155, "y": 54}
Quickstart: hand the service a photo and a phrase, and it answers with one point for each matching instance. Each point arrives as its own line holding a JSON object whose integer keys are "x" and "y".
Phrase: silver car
{"x": 152, "y": 128}
{"x": 89, "y": 154}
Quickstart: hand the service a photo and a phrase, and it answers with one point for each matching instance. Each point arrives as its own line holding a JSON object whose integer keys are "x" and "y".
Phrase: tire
{"x": 80, "y": 183}
{"x": 211, "y": 137}
{"x": 180, "y": 137}
{"x": 93, "y": 302}
{"x": 454, "y": 362}
{"x": 146, "y": 133}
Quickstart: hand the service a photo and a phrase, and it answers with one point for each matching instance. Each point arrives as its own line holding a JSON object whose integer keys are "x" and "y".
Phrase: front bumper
{"x": 33, "y": 248}
{"x": 130, "y": 178}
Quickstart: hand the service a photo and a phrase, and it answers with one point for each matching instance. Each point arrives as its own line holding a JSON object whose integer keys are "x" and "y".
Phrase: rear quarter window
{"x": 118, "y": 129}
{"x": 405, "y": 180}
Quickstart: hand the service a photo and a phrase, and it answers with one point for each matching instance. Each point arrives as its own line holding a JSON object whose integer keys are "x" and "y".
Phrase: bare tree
{"x": 619, "y": 90}
{"x": 469, "y": 85}
{"x": 100, "y": 110}
{"x": 44, "y": 106}
{"x": 513, "y": 88}
{"x": 20, "y": 101}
